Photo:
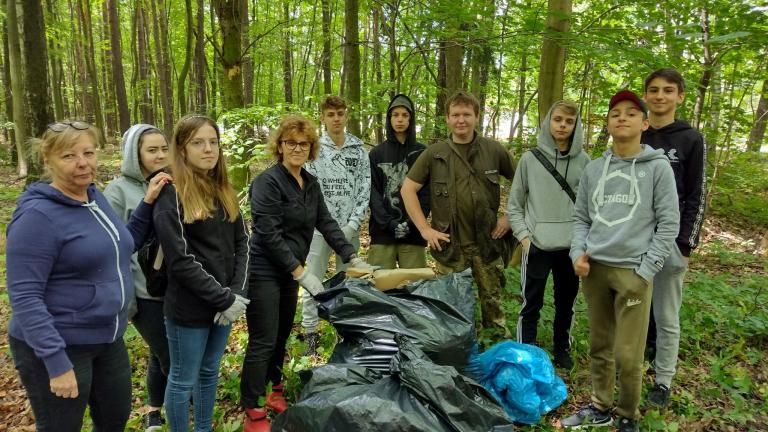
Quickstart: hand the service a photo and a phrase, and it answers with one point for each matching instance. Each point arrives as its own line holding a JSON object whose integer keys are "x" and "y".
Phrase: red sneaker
{"x": 256, "y": 420}
{"x": 275, "y": 400}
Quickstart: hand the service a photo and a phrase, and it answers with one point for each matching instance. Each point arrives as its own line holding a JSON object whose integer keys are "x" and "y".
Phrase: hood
{"x": 614, "y": 163}
{"x": 44, "y": 191}
{"x": 349, "y": 141}
{"x": 131, "y": 167}
{"x": 547, "y": 144}
{"x": 405, "y": 102}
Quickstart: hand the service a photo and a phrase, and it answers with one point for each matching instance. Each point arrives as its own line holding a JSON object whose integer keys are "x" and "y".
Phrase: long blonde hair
{"x": 199, "y": 193}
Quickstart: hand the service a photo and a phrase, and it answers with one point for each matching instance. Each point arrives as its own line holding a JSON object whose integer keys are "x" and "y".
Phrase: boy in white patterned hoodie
{"x": 343, "y": 170}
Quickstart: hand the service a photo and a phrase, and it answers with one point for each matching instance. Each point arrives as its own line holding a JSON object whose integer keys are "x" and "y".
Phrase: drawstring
{"x": 94, "y": 208}
{"x": 601, "y": 183}
{"x": 633, "y": 184}
{"x": 567, "y": 164}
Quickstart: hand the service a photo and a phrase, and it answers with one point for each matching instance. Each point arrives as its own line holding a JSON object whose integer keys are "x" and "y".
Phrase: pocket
{"x": 441, "y": 206}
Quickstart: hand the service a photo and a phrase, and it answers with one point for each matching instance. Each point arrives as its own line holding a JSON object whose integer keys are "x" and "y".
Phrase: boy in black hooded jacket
{"x": 394, "y": 239}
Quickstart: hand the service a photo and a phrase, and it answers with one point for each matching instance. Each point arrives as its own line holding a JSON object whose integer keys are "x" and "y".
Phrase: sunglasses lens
{"x": 79, "y": 125}
{"x": 57, "y": 127}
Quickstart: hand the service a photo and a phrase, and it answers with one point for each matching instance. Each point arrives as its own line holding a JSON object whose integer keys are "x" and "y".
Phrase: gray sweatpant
{"x": 317, "y": 264}
{"x": 667, "y": 298}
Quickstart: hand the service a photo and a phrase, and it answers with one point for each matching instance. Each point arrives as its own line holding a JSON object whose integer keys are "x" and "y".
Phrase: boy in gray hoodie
{"x": 626, "y": 218}
{"x": 540, "y": 212}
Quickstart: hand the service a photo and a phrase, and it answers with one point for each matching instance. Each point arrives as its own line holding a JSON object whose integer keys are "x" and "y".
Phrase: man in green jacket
{"x": 466, "y": 231}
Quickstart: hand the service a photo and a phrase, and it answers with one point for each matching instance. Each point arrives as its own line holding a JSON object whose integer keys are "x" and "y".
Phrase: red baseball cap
{"x": 626, "y": 95}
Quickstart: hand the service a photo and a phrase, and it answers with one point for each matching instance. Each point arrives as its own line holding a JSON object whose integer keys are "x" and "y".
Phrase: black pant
{"x": 270, "y": 319}
{"x": 536, "y": 266}
{"x": 150, "y": 325}
{"x": 103, "y": 375}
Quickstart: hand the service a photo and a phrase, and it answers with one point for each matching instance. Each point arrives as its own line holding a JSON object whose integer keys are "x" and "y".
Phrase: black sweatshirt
{"x": 206, "y": 261}
{"x": 687, "y": 153}
{"x": 390, "y": 162}
{"x": 284, "y": 218}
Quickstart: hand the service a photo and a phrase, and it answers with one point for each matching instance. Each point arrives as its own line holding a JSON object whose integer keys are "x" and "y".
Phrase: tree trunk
{"x": 228, "y": 13}
{"x": 142, "y": 70}
{"x": 111, "y": 125}
{"x": 441, "y": 97}
{"x": 200, "y": 86}
{"x": 160, "y": 31}
{"x": 17, "y": 86}
{"x": 551, "y": 73}
{"x": 454, "y": 53}
{"x": 56, "y": 73}
{"x": 181, "y": 85}
{"x": 352, "y": 63}
{"x": 706, "y": 76}
{"x": 287, "y": 49}
{"x": 247, "y": 58}
{"x": 326, "y": 61}
{"x": 379, "y": 117}
{"x": 84, "y": 11}
{"x": 520, "y": 121}
{"x": 757, "y": 134}
{"x": 117, "y": 67}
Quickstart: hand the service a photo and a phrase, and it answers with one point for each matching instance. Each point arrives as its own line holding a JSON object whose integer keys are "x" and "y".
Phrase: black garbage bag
{"x": 430, "y": 313}
{"x": 418, "y": 395}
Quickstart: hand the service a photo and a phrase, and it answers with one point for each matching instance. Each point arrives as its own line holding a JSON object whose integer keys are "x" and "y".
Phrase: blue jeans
{"x": 103, "y": 375}
{"x": 195, "y": 357}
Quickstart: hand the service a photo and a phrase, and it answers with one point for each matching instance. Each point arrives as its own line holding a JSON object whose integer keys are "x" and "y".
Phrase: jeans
{"x": 195, "y": 358}
{"x": 270, "y": 319}
{"x": 149, "y": 323}
{"x": 317, "y": 264}
{"x": 103, "y": 374}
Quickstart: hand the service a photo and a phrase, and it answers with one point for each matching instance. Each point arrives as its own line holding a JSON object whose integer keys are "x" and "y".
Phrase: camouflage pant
{"x": 489, "y": 278}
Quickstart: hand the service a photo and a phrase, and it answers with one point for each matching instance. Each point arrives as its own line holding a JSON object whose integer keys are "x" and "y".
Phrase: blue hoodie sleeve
{"x": 32, "y": 250}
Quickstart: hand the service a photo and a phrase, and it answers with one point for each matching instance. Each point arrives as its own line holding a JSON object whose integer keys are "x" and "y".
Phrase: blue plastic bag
{"x": 522, "y": 378}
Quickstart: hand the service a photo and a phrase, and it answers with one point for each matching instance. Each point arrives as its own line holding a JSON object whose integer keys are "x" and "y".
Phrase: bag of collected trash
{"x": 418, "y": 395}
{"x": 430, "y": 313}
{"x": 522, "y": 378}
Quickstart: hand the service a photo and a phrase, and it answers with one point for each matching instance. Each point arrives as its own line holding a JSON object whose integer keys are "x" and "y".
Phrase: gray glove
{"x": 310, "y": 283}
{"x": 349, "y": 232}
{"x": 402, "y": 230}
{"x": 360, "y": 264}
{"x": 232, "y": 313}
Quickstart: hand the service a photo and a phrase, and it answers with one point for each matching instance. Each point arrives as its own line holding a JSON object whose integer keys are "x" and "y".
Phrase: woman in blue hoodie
{"x": 69, "y": 285}
{"x": 145, "y": 152}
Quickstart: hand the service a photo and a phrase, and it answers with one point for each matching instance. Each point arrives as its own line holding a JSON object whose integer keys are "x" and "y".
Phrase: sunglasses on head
{"x": 61, "y": 126}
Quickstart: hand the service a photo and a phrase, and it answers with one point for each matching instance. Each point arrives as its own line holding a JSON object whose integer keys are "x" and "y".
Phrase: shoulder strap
{"x": 559, "y": 178}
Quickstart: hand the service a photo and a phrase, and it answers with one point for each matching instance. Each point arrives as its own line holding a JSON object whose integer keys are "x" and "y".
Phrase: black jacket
{"x": 687, "y": 153}
{"x": 206, "y": 260}
{"x": 284, "y": 219}
{"x": 390, "y": 162}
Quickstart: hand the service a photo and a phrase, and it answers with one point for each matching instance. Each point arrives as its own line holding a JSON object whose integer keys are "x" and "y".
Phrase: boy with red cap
{"x": 625, "y": 221}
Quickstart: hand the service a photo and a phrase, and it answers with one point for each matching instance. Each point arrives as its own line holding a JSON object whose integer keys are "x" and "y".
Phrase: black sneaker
{"x": 153, "y": 421}
{"x": 627, "y": 425}
{"x": 658, "y": 397}
{"x": 313, "y": 341}
{"x": 563, "y": 359}
{"x": 587, "y": 417}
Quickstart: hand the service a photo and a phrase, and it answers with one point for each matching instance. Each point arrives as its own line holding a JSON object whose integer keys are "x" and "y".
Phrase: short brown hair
{"x": 569, "y": 107}
{"x": 332, "y": 102}
{"x": 668, "y": 74}
{"x": 462, "y": 98}
{"x": 296, "y": 124}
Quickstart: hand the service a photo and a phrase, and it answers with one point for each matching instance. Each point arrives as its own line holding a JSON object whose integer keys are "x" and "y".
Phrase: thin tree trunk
{"x": 108, "y": 88}
{"x": 287, "y": 73}
{"x": 56, "y": 73}
{"x": 352, "y": 62}
{"x": 706, "y": 76}
{"x": 521, "y": 109}
{"x": 188, "y": 52}
{"x": 326, "y": 60}
{"x": 160, "y": 31}
{"x": 757, "y": 134}
{"x": 17, "y": 86}
{"x": 378, "y": 117}
{"x": 200, "y": 85}
{"x": 142, "y": 41}
{"x": 551, "y": 73}
{"x": 117, "y": 67}
{"x": 247, "y": 57}
{"x": 84, "y": 10}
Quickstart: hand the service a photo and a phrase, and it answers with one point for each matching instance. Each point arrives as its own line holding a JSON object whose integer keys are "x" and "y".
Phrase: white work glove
{"x": 360, "y": 264}
{"x": 349, "y": 232}
{"x": 402, "y": 230}
{"x": 310, "y": 283}
{"x": 232, "y": 313}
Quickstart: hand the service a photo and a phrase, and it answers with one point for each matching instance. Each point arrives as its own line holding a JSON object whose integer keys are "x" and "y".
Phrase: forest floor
{"x": 722, "y": 379}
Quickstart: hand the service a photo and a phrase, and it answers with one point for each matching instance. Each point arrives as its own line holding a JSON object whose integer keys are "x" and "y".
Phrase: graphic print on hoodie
{"x": 390, "y": 162}
{"x": 626, "y": 212}
{"x": 344, "y": 175}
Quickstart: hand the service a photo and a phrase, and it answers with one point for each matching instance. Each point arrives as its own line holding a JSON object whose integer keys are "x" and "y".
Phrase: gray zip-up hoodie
{"x": 626, "y": 212}
{"x": 126, "y": 192}
{"x": 538, "y": 208}
{"x": 344, "y": 175}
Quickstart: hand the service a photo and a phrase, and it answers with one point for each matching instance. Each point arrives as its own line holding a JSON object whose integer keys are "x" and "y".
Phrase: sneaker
{"x": 256, "y": 420}
{"x": 276, "y": 402}
{"x": 153, "y": 421}
{"x": 313, "y": 341}
{"x": 658, "y": 397}
{"x": 563, "y": 359}
{"x": 587, "y": 417}
{"x": 627, "y": 425}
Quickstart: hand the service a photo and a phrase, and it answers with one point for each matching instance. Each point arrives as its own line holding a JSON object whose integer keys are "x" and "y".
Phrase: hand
{"x": 65, "y": 385}
{"x": 232, "y": 313}
{"x": 433, "y": 238}
{"x": 310, "y": 283}
{"x": 360, "y": 264}
{"x": 155, "y": 186}
{"x": 402, "y": 230}
{"x": 502, "y": 227}
{"x": 349, "y": 232}
{"x": 526, "y": 242}
{"x": 581, "y": 265}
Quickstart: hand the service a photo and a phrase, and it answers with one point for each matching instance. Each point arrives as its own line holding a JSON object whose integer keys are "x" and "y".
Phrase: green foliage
{"x": 742, "y": 189}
